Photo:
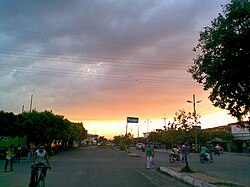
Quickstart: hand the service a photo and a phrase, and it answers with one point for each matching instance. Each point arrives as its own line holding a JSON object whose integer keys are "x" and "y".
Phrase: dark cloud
{"x": 90, "y": 54}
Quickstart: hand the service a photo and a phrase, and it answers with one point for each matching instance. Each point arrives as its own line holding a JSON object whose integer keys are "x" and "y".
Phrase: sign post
{"x": 131, "y": 120}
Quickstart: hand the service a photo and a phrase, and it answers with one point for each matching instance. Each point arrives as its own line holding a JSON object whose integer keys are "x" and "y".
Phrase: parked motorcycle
{"x": 204, "y": 159}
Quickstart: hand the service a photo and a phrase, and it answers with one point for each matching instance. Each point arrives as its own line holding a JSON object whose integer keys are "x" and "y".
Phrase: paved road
{"x": 228, "y": 166}
{"x": 93, "y": 167}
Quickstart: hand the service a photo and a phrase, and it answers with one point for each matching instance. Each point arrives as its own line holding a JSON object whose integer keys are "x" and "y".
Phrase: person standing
{"x": 18, "y": 154}
{"x": 31, "y": 153}
{"x": 9, "y": 158}
{"x": 150, "y": 153}
{"x": 183, "y": 152}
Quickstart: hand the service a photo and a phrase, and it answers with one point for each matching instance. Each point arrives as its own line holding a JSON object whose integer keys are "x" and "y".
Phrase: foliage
{"x": 40, "y": 127}
{"x": 9, "y": 125}
{"x": 223, "y": 65}
{"x": 180, "y": 130}
{"x": 154, "y": 137}
{"x": 210, "y": 134}
{"x": 123, "y": 141}
{"x": 184, "y": 121}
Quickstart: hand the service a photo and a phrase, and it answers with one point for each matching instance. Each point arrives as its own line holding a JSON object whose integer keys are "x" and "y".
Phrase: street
{"x": 97, "y": 166}
{"x": 93, "y": 167}
{"x": 232, "y": 167}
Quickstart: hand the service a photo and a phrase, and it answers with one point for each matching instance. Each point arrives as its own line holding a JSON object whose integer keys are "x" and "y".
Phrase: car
{"x": 140, "y": 146}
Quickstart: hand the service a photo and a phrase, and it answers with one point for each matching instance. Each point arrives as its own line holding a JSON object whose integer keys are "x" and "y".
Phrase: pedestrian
{"x": 183, "y": 152}
{"x": 31, "y": 153}
{"x": 150, "y": 153}
{"x": 9, "y": 158}
{"x": 18, "y": 154}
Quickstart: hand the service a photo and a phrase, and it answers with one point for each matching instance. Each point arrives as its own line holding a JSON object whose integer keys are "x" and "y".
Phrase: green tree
{"x": 10, "y": 126}
{"x": 154, "y": 137}
{"x": 210, "y": 134}
{"x": 184, "y": 121}
{"x": 123, "y": 141}
{"x": 45, "y": 127}
{"x": 222, "y": 64}
{"x": 7, "y": 124}
{"x": 76, "y": 131}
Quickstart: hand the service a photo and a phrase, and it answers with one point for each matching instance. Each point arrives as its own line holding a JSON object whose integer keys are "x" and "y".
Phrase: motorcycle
{"x": 174, "y": 158}
{"x": 204, "y": 159}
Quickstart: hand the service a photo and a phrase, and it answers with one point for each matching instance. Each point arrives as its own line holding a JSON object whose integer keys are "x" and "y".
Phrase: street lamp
{"x": 138, "y": 135}
{"x": 147, "y": 124}
{"x": 195, "y": 118}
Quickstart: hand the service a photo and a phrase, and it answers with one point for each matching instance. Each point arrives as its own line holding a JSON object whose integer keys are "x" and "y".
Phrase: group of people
{"x": 179, "y": 152}
{"x": 13, "y": 155}
{"x": 39, "y": 157}
{"x": 150, "y": 153}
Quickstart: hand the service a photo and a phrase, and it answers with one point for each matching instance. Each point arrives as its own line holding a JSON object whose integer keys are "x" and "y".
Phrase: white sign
{"x": 237, "y": 130}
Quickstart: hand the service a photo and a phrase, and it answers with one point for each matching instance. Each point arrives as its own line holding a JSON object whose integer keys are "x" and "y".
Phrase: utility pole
{"x": 126, "y": 128}
{"x": 147, "y": 124}
{"x": 138, "y": 132}
{"x": 31, "y": 99}
{"x": 23, "y": 109}
{"x": 195, "y": 119}
{"x": 165, "y": 121}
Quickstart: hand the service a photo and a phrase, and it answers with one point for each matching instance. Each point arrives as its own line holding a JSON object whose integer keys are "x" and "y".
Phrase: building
{"x": 241, "y": 137}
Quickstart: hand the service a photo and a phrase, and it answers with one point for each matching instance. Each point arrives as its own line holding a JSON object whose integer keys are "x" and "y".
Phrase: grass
{"x": 187, "y": 170}
{"x": 227, "y": 184}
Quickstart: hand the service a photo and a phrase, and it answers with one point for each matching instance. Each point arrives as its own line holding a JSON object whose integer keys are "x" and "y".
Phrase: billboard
{"x": 132, "y": 120}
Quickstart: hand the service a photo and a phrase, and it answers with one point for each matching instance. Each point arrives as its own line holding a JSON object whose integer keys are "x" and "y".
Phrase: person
{"x": 9, "y": 158}
{"x": 217, "y": 150}
{"x": 176, "y": 152}
{"x": 183, "y": 152}
{"x": 31, "y": 153}
{"x": 205, "y": 152}
{"x": 40, "y": 158}
{"x": 150, "y": 156}
{"x": 18, "y": 154}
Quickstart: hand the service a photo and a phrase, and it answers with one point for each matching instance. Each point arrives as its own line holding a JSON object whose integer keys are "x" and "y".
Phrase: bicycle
{"x": 39, "y": 177}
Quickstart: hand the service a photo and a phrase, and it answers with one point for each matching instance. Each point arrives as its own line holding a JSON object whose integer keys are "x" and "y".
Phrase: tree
{"x": 7, "y": 121}
{"x": 184, "y": 121}
{"x": 45, "y": 127}
{"x": 9, "y": 125}
{"x": 210, "y": 134}
{"x": 223, "y": 63}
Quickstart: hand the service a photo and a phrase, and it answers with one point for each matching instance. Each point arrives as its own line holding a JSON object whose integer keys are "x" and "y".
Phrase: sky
{"x": 101, "y": 61}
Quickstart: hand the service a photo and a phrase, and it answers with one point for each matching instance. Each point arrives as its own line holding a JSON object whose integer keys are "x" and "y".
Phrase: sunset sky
{"x": 100, "y": 61}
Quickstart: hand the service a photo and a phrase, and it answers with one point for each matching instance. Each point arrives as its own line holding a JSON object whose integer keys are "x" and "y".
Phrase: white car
{"x": 140, "y": 146}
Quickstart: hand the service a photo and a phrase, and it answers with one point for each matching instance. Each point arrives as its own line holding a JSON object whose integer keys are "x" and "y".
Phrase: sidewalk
{"x": 195, "y": 179}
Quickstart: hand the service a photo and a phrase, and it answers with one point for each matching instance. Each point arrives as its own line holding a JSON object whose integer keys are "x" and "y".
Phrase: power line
{"x": 79, "y": 74}
{"x": 79, "y": 59}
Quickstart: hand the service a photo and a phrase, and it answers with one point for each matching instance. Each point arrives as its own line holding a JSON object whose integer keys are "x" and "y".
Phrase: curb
{"x": 185, "y": 178}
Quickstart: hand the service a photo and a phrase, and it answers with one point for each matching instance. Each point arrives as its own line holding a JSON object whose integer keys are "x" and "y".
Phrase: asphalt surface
{"x": 230, "y": 167}
{"x": 92, "y": 167}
